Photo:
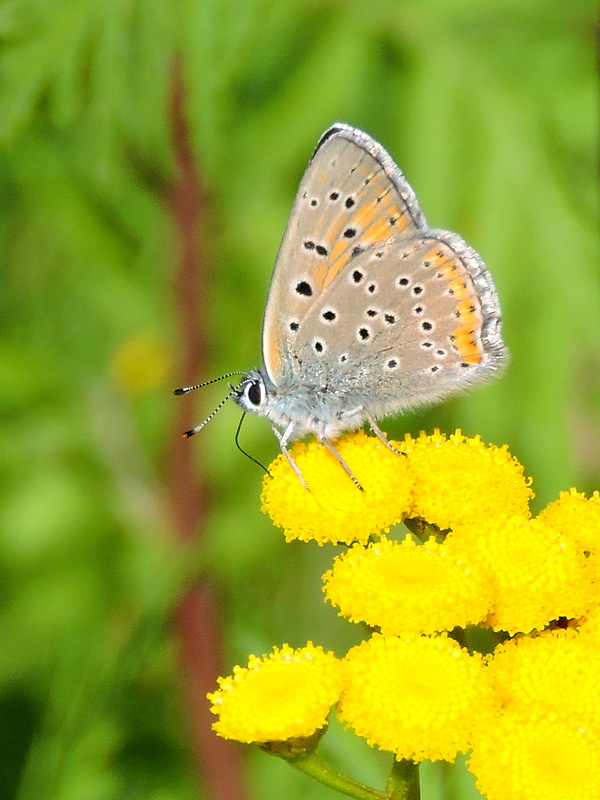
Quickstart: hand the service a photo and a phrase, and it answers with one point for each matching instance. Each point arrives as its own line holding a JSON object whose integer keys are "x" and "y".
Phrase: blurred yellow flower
{"x": 140, "y": 363}
{"x": 405, "y": 588}
{"x": 520, "y": 758}
{"x": 417, "y": 697}
{"x": 576, "y": 516}
{"x": 335, "y": 510}
{"x": 535, "y": 574}
{"x": 459, "y": 480}
{"x": 283, "y": 695}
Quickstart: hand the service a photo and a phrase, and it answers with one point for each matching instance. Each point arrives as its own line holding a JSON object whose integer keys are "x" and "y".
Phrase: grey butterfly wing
{"x": 352, "y": 196}
{"x": 406, "y": 322}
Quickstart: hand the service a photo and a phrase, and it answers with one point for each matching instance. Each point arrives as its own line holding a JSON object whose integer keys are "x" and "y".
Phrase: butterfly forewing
{"x": 352, "y": 196}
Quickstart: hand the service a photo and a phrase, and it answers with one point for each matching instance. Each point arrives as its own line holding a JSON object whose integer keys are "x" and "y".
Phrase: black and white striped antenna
{"x": 196, "y": 428}
{"x": 187, "y": 389}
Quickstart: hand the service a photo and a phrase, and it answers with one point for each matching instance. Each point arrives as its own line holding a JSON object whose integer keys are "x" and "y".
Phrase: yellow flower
{"x": 416, "y": 697}
{"x": 555, "y": 674}
{"x": 286, "y": 694}
{"x": 462, "y": 480}
{"x": 576, "y": 516}
{"x": 405, "y": 588}
{"x": 535, "y": 574}
{"x": 589, "y": 626}
{"x": 335, "y": 510}
{"x": 519, "y": 758}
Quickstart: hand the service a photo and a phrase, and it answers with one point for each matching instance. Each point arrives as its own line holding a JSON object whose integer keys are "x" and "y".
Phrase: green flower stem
{"x": 403, "y": 783}
{"x": 307, "y": 761}
{"x": 320, "y": 770}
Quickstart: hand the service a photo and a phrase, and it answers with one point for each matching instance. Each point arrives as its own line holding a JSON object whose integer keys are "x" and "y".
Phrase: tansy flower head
{"x": 416, "y": 697}
{"x": 555, "y": 674}
{"x": 521, "y": 758}
{"x": 405, "y": 588}
{"x": 577, "y": 517}
{"x": 535, "y": 574}
{"x": 462, "y": 480}
{"x": 286, "y": 694}
{"x": 334, "y": 510}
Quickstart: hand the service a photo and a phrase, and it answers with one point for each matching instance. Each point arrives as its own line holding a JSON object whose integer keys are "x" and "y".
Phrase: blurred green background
{"x": 491, "y": 110}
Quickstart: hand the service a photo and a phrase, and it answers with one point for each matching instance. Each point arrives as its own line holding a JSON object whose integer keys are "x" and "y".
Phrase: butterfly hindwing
{"x": 413, "y": 317}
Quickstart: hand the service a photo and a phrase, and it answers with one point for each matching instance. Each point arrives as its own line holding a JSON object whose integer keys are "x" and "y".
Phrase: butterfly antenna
{"x": 241, "y": 449}
{"x": 186, "y": 389}
{"x": 199, "y": 427}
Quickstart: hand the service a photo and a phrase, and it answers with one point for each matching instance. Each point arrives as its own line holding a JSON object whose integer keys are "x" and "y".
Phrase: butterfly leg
{"x": 339, "y": 457}
{"x": 380, "y": 434}
{"x": 282, "y": 438}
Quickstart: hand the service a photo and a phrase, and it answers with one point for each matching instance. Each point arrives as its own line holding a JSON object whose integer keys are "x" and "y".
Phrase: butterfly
{"x": 370, "y": 312}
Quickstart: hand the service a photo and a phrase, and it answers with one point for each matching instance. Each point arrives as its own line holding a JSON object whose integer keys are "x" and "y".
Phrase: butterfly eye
{"x": 254, "y": 393}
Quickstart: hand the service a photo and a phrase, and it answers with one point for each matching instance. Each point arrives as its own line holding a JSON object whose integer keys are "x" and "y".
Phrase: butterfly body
{"x": 314, "y": 407}
{"x": 370, "y": 312}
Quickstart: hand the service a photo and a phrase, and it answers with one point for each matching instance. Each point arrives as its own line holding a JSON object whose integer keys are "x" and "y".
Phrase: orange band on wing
{"x": 371, "y": 228}
{"x": 467, "y": 347}
{"x": 459, "y": 289}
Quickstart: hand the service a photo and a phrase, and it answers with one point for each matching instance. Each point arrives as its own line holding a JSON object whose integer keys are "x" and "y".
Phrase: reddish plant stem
{"x": 197, "y": 618}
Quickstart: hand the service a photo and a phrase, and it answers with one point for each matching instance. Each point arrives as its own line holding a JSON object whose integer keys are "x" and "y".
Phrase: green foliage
{"x": 490, "y": 109}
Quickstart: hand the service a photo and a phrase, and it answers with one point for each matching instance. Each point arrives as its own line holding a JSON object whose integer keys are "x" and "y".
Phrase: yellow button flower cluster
{"x": 399, "y": 587}
{"x": 414, "y": 696}
{"x": 334, "y": 510}
{"x": 444, "y": 480}
{"x": 546, "y": 739}
{"x": 530, "y": 710}
{"x": 525, "y": 758}
{"x": 458, "y": 480}
{"x": 286, "y": 694}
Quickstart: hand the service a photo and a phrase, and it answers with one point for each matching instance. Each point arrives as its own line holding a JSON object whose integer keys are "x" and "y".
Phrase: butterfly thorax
{"x": 298, "y": 410}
